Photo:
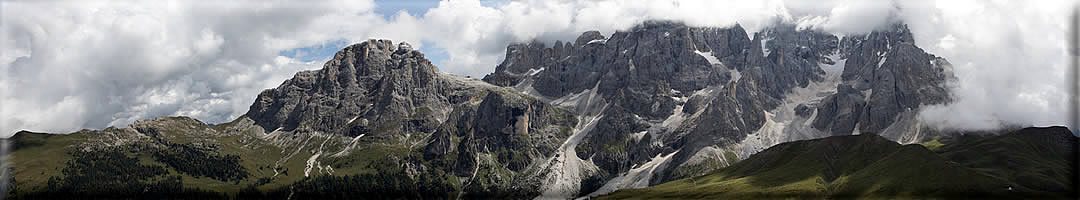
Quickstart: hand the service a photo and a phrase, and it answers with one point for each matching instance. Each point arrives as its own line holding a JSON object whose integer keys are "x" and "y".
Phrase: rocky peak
{"x": 588, "y": 37}
{"x": 895, "y": 78}
{"x": 370, "y": 81}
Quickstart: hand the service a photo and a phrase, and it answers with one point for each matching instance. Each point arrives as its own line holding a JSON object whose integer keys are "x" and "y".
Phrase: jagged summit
{"x": 705, "y": 97}
{"x": 370, "y": 81}
{"x": 886, "y": 79}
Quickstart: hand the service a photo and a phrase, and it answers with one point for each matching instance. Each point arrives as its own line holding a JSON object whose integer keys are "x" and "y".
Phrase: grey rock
{"x": 642, "y": 72}
{"x": 687, "y": 88}
{"x": 896, "y": 75}
{"x": 840, "y": 112}
{"x": 373, "y": 81}
{"x": 803, "y": 111}
{"x": 388, "y": 93}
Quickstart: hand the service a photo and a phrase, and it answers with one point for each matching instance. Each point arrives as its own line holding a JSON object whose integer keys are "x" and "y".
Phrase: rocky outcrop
{"x": 891, "y": 75}
{"x": 515, "y": 129}
{"x": 391, "y": 95}
{"x": 374, "y": 81}
{"x": 840, "y": 112}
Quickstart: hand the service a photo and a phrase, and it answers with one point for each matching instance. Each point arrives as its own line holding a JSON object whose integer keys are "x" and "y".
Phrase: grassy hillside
{"x": 180, "y": 156}
{"x": 1034, "y": 163}
{"x": 1038, "y": 158}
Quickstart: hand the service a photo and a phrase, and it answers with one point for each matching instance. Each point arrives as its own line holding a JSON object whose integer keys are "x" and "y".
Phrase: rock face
{"x": 390, "y": 93}
{"x": 374, "y": 81}
{"x": 885, "y": 76}
{"x": 679, "y": 101}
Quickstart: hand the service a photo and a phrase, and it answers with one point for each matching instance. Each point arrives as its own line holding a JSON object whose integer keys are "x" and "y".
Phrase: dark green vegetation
{"x": 198, "y": 163}
{"x": 1029, "y": 163}
{"x": 113, "y": 173}
{"x": 190, "y": 160}
{"x": 1044, "y": 159}
{"x": 365, "y": 186}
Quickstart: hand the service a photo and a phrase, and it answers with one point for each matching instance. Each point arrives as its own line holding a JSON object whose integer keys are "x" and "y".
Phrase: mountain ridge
{"x": 658, "y": 102}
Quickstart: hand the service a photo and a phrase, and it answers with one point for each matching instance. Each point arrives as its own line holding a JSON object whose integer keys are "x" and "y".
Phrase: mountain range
{"x": 659, "y": 104}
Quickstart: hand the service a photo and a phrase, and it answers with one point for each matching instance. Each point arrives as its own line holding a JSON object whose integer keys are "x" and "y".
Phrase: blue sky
{"x": 414, "y": 7}
{"x": 386, "y": 8}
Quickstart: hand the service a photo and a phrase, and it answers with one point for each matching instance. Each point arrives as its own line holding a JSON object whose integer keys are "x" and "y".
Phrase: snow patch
{"x": 533, "y": 72}
{"x": 765, "y": 51}
{"x": 708, "y": 56}
{"x": 882, "y": 61}
{"x": 735, "y": 75}
{"x": 637, "y": 136}
{"x": 601, "y": 41}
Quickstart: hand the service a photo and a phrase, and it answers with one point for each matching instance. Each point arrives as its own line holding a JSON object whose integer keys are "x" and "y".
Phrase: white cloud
{"x": 68, "y": 65}
{"x": 1009, "y": 56}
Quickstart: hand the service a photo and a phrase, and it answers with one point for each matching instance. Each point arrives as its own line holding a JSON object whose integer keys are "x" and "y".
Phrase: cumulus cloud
{"x": 1009, "y": 56}
{"x": 68, "y": 65}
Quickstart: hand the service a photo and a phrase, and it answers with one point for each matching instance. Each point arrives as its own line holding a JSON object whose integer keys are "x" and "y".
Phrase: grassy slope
{"x": 867, "y": 166}
{"x": 1043, "y": 158}
{"x": 914, "y": 171}
{"x": 40, "y": 156}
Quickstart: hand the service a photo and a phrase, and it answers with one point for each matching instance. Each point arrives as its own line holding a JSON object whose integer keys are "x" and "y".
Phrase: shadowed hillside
{"x": 1028, "y": 163}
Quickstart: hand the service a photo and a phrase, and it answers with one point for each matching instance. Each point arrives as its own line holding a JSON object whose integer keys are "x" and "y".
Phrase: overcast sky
{"x": 69, "y": 65}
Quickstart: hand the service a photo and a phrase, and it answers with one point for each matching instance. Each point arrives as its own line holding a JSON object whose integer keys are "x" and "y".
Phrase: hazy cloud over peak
{"x": 68, "y": 65}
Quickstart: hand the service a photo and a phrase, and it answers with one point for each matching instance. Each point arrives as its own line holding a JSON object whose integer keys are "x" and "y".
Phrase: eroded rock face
{"x": 840, "y": 112}
{"x": 672, "y": 89}
{"x": 680, "y": 88}
{"x": 391, "y": 95}
{"x": 892, "y": 76}
{"x": 662, "y": 100}
{"x": 515, "y": 129}
{"x": 370, "y": 81}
